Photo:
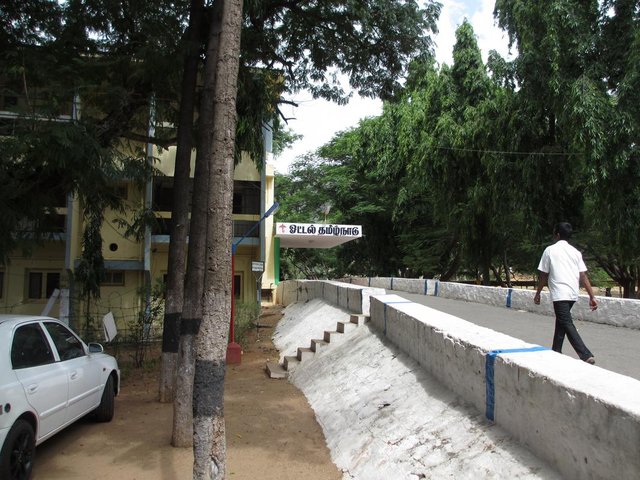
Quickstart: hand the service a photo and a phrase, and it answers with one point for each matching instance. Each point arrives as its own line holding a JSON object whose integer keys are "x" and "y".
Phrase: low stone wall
{"x": 621, "y": 312}
{"x": 582, "y": 419}
{"x": 353, "y": 298}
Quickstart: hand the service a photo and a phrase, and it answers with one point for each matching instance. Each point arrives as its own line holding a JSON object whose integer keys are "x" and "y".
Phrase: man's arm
{"x": 584, "y": 280}
{"x": 542, "y": 282}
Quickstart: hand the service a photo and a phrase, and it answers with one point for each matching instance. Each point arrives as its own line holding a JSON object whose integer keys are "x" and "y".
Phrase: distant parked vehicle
{"x": 49, "y": 378}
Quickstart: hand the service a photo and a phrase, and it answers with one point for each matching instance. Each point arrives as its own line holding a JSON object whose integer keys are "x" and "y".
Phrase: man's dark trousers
{"x": 565, "y": 326}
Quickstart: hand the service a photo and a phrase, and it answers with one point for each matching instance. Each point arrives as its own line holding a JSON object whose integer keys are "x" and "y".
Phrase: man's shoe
{"x": 591, "y": 361}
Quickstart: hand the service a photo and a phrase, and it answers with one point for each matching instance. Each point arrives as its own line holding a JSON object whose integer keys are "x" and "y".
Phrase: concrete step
{"x": 333, "y": 337}
{"x": 290, "y": 362}
{"x": 359, "y": 319}
{"x": 275, "y": 370}
{"x": 345, "y": 327}
{"x": 304, "y": 353}
{"x": 317, "y": 344}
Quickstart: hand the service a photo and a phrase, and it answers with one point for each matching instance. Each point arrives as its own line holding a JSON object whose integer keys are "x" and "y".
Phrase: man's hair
{"x": 563, "y": 230}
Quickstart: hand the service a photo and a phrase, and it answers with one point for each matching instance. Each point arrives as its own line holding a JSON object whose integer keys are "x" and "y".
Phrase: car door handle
{"x": 33, "y": 388}
{"x": 74, "y": 375}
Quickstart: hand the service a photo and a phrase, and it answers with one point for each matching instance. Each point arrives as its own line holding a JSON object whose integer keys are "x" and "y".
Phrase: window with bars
{"x": 41, "y": 284}
{"x": 113, "y": 278}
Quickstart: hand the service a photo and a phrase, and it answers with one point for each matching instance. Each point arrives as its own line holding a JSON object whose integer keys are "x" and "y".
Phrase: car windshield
{"x": 67, "y": 344}
{"x": 30, "y": 348}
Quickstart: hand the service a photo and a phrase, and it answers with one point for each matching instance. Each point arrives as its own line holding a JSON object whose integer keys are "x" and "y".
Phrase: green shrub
{"x": 246, "y": 318}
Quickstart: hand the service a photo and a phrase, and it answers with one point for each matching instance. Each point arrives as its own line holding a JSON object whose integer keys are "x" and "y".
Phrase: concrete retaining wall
{"x": 582, "y": 419}
{"x": 353, "y": 298}
{"x": 621, "y": 312}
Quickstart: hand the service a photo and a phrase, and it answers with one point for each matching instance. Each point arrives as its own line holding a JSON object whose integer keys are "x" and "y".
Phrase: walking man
{"x": 562, "y": 270}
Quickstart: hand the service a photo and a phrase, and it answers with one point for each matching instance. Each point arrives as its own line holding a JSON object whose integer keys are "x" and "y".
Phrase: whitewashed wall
{"x": 582, "y": 419}
{"x": 351, "y": 297}
{"x": 621, "y": 312}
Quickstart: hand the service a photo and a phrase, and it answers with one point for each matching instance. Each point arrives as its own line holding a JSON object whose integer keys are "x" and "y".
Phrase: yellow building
{"x": 27, "y": 283}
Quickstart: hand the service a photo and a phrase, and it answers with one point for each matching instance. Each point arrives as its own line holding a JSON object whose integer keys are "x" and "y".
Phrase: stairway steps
{"x": 333, "y": 336}
{"x": 317, "y": 344}
{"x": 304, "y": 353}
{"x": 290, "y": 362}
{"x": 275, "y": 370}
{"x": 345, "y": 327}
{"x": 359, "y": 319}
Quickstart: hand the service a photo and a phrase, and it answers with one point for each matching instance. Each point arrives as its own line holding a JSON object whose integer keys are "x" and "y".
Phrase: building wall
{"x": 15, "y": 298}
{"x": 124, "y": 256}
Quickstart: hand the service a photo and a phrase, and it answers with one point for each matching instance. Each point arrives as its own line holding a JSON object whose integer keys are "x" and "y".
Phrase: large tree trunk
{"x": 194, "y": 283}
{"x": 209, "y": 443}
{"x": 192, "y": 311}
{"x": 180, "y": 210}
{"x": 182, "y": 435}
{"x": 624, "y": 275}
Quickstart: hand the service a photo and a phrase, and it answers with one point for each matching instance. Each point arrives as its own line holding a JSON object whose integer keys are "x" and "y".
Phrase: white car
{"x": 49, "y": 378}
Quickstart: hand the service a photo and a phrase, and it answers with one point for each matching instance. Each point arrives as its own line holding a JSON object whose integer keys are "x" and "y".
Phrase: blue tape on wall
{"x": 391, "y": 285}
{"x": 384, "y": 330}
{"x": 426, "y": 286}
{"x": 385, "y": 313}
{"x": 509, "y": 292}
{"x": 489, "y": 373}
{"x": 436, "y": 288}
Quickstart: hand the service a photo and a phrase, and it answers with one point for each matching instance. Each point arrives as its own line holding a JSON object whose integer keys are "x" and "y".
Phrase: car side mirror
{"x": 95, "y": 348}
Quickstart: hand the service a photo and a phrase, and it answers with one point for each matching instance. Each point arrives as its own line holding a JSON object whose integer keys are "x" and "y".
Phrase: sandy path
{"x": 272, "y": 432}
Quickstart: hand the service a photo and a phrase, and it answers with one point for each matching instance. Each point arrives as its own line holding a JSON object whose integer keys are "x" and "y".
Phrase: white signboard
{"x": 257, "y": 266}
{"x": 315, "y": 235}
{"x": 109, "y": 327}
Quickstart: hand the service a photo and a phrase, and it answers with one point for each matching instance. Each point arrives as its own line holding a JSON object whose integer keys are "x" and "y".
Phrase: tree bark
{"x": 194, "y": 282}
{"x": 180, "y": 210}
{"x": 209, "y": 444}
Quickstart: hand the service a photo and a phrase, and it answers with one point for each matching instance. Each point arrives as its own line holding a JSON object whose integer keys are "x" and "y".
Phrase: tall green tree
{"x": 555, "y": 43}
{"x": 575, "y": 62}
{"x": 307, "y": 194}
{"x": 610, "y": 120}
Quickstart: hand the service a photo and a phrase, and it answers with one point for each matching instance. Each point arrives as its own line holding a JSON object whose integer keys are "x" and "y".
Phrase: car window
{"x": 68, "y": 345}
{"x": 30, "y": 347}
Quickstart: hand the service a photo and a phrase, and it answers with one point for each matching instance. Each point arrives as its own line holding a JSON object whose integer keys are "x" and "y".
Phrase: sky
{"x": 318, "y": 121}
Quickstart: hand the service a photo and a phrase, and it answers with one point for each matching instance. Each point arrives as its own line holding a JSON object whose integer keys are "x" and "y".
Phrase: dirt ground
{"x": 272, "y": 432}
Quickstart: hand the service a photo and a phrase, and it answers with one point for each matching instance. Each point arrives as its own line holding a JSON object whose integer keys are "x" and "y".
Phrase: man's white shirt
{"x": 563, "y": 263}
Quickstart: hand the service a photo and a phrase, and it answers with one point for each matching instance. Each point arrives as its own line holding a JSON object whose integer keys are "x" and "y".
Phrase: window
{"x": 161, "y": 226}
{"x": 237, "y": 286}
{"x": 113, "y": 278}
{"x": 35, "y": 285}
{"x": 67, "y": 344}
{"x": 30, "y": 347}
{"x": 243, "y": 228}
{"x": 246, "y": 197}
{"x": 163, "y": 193}
{"x": 42, "y": 284}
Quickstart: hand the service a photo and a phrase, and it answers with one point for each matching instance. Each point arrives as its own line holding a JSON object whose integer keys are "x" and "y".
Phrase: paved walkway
{"x": 615, "y": 348}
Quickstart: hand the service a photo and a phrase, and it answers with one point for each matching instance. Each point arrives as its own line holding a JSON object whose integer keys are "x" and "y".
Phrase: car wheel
{"x": 18, "y": 452}
{"x": 104, "y": 412}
